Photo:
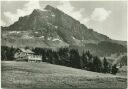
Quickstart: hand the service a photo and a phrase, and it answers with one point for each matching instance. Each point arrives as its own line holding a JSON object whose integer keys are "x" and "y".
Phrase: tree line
{"x": 66, "y": 57}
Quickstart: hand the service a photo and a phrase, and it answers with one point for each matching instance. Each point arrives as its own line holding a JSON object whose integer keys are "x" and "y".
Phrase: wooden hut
{"x": 27, "y": 55}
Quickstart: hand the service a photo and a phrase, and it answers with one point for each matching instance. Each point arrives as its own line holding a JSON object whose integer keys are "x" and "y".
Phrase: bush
{"x": 7, "y": 53}
{"x": 114, "y": 69}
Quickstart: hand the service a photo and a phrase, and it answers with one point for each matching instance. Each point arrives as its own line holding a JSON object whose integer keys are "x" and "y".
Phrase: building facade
{"x": 27, "y": 55}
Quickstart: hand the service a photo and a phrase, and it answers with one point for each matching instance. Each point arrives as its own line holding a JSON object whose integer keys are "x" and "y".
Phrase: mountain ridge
{"x": 52, "y": 28}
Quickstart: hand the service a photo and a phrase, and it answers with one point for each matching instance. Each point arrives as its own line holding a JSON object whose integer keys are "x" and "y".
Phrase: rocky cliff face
{"x": 49, "y": 28}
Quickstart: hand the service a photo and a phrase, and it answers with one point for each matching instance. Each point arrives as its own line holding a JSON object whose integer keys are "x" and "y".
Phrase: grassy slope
{"x": 44, "y": 75}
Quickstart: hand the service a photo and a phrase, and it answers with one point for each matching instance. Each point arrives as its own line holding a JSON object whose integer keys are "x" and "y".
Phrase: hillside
{"x": 103, "y": 48}
{"x": 44, "y": 75}
{"x": 53, "y": 28}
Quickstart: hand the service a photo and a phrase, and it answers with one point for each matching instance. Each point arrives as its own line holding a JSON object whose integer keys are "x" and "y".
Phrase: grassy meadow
{"x": 43, "y": 75}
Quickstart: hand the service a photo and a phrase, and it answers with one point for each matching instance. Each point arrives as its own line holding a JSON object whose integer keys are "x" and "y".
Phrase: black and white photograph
{"x": 63, "y": 44}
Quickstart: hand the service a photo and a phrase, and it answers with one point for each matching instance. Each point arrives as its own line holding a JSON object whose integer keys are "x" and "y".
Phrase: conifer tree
{"x": 106, "y": 66}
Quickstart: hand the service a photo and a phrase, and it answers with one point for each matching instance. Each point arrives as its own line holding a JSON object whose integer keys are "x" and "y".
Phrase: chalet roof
{"x": 26, "y": 50}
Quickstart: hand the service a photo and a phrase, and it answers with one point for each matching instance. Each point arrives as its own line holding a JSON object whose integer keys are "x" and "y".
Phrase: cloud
{"x": 85, "y": 20}
{"x": 67, "y": 8}
{"x": 2, "y": 23}
{"x": 100, "y": 14}
{"x": 26, "y": 10}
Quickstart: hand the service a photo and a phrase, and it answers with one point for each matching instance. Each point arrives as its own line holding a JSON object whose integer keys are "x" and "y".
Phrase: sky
{"x": 105, "y": 17}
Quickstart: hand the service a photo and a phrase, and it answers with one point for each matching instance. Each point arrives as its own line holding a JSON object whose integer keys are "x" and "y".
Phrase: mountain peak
{"x": 36, "y": 11}
{"x": 48, "y": 7}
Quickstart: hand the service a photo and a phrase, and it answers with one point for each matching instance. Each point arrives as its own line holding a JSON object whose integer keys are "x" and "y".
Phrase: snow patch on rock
{"x": 73, "y": 38}
{"x": 36, "y": 32}
{"x": 14, "y": 32}
{"x": 56, "y": 39}
{"x": 56, "y": 26}
{"x": 26, "y": 36}
{"x": 53, "y": 15}
{"x": 49, "y": 23}
{"x": 41, "y": 37}
{"x": 49, "y": 38}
